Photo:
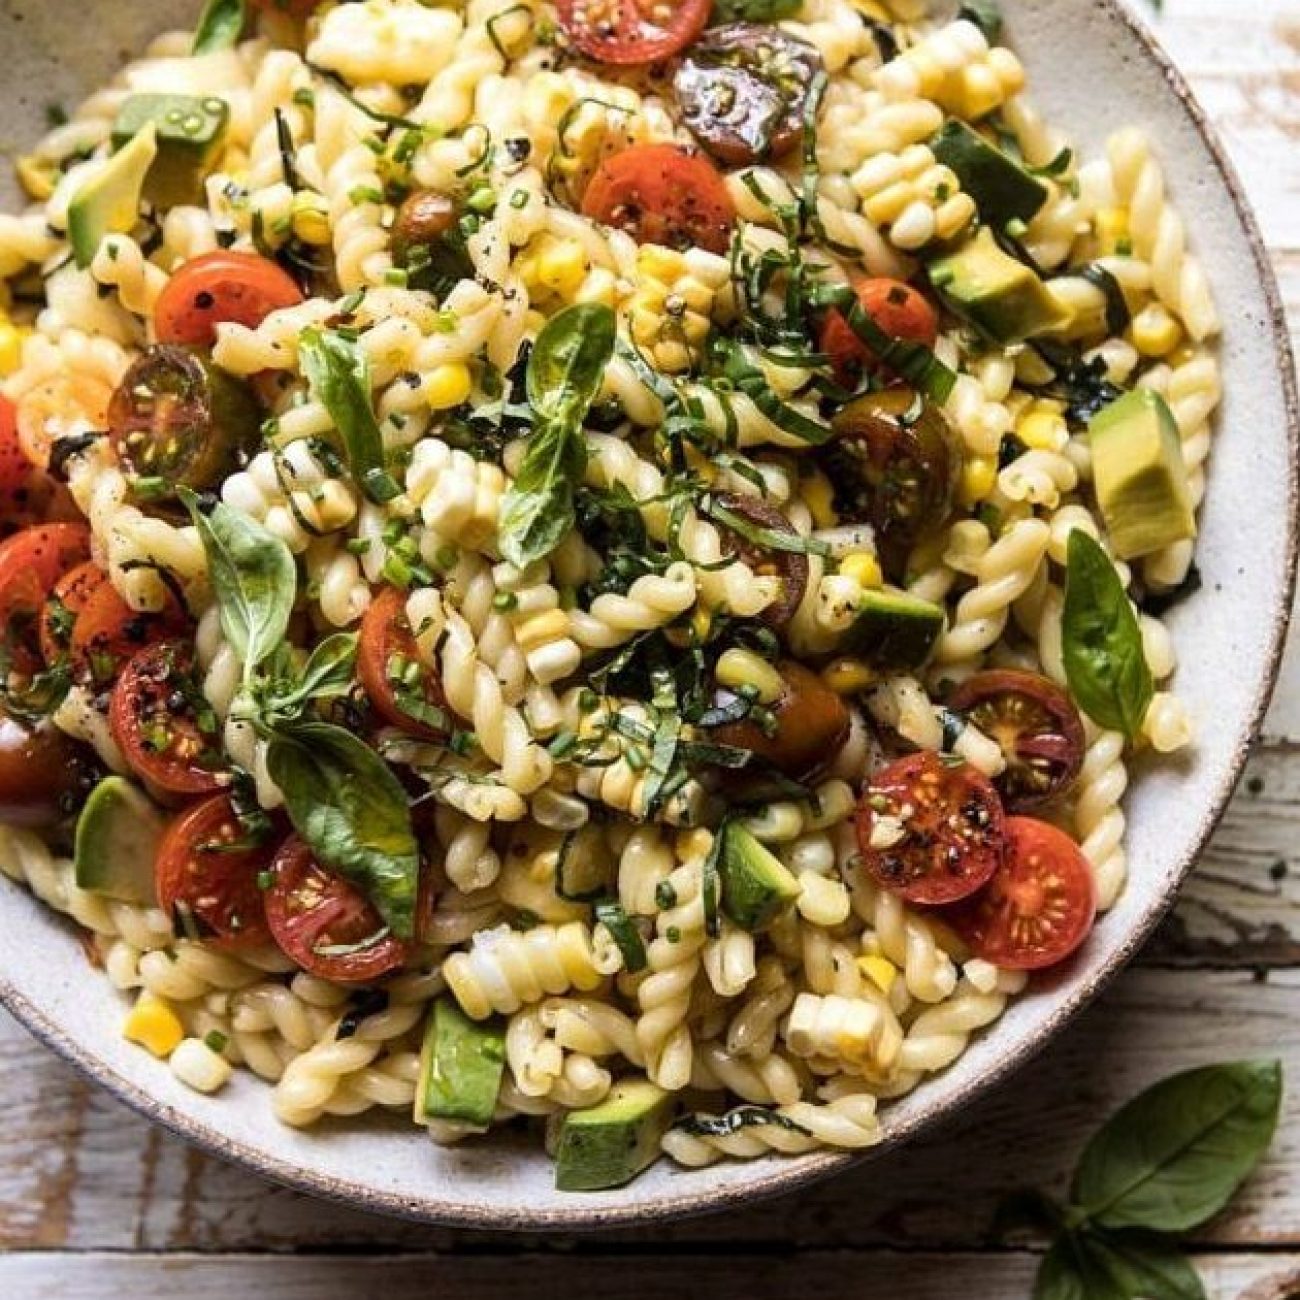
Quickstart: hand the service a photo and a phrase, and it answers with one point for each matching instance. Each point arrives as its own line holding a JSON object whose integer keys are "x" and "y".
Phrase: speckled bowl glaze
{"x": 1093, "y": 69}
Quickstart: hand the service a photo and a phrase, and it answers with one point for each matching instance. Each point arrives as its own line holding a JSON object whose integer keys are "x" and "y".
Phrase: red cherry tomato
{"x": 27, "y": 495}
{"x": 206, "y": 875}
{"x": 217, "y": 288}
{"x": 661, "y": 194}
{"x": 897, "y": 308}
{"x": 930, "y": 830}
{"x": 31, "y": 562}
{"x": 324, "y": 923}
{"x": 1037, "y": 726}
{"x": 106, "y": 632}
{"x": 405, "y": 691}
{"x": 164, "y": 727}
{"x": 44, "y": 776}
{"x": 1038, "y": 907}
{"x": 632, "y": 31}
{"x": 65, "y": 403}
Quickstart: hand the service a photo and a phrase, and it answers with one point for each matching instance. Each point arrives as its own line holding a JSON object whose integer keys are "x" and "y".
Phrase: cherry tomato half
{"x": 28, "y": 495}
{"x": 406, "y": 691}
{"x": 661, "y": 194}
{"x": 930, "y": 830}
{"x": 206, "y": 875}
{"x": 1037, "y": 726}
{"x": 324, "y": 923}
{"x": 65, "y": 404}
{"x": 791, "y": 567}
{"x": 44, "y": 775}
{"x": 103, "y": 631}
{"x": 221, "y": 287}
{"x": 632, "y": 31}
{"x": 31, "y": 562}
{"x": 164, "y": 727}
{"x": 901, "y": 311}
{"x": 1038, "y": 907}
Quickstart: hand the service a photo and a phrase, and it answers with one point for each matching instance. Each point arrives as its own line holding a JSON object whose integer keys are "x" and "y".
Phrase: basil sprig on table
{"x": 338, "y": 377}
{"x": 1170, "y": 1159}
{"x": 340, "y": 795}
{"x": 565, "y": 372}
{"x": 220, "y": 27}
{"x": 1101, "y": 642}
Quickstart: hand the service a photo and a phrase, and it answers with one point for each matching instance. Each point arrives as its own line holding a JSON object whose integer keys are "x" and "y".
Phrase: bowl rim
{"x": 780, "y": 1177}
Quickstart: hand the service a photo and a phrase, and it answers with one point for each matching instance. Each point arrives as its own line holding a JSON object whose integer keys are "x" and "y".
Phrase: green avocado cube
{"x": 1002, "y": 189}
{"x": 609, "y": 1144}
{"x": 190, "y": 131}
{"x": 461, "y": 1065}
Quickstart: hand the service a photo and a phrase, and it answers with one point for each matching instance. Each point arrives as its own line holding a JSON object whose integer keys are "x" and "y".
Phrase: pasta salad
{"x": 588, "y": 564}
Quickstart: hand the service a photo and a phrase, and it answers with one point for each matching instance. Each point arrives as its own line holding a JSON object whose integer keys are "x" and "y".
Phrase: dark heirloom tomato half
{"x": 324, "y": 923}
{"x": 661, "y": 194}
{"x": 219, "y": 288}
{"x": 929, "y": 829}
{"x": 632, "y": 32}
{"x": 1039, "y": 906}
{"x": 43, "y": 775}
{"x": 207, "y": 876}
{"x": 180, "y": 421}
{"x": 1037, "y": 726}
{"x": 811, "y": 726}
{"x": 164, "y": 727}
{"x": 790, "y": 566}
{"x": 894, "y": 464}
{"x": 405, "y": 691}
{"x": 743, "y": 90}
{"x": 31, "y": 563}
{"x": 899, "y": 310}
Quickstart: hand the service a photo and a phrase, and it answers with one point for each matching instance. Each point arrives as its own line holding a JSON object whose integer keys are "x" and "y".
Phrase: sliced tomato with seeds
{"x": 1037, "y": 727}
{"x": 661, "y": 194}
{"x": 325, "y": 923}
{"x": 898, "y": 309}
{"x": 165, "y": 728}
{"x": 1039, "y": 906}
{"x": 406, "y": 691}
{"x": 209, "y": 875}
{"x": 930, "y": 830}
{"x": 31, "y": 563}
{"x": 28, "y": 495}
{"x": 632, "y": 32}
{"x": 220, "y": 288}
{"x": 64, "y": 605}
{"x": 44, "y": 775}
{"x": 106, "y": 632}
{"x": 66, "y": 404}
{"x": 758, "y": 517}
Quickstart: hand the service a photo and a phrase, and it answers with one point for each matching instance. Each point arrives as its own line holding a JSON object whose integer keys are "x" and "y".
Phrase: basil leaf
{"x": 338, "y": 376}
{"x": 754, "y": 11}
{"x": 1101, "y": 642}
{"x": 565, "y": 372}
{"x": 220, "y": 27}
{"x": 326, "y": 675}
{"x": 1129, "y": 1266}
{"x": 253, "y": 577}
{"x": 352, "y": 812}
{"x": 1176, "y": 1154}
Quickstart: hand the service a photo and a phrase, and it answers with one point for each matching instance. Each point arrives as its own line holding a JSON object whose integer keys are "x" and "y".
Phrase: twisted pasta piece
{"x": 1098, "y": 815}
{"x": 652, "y": 601}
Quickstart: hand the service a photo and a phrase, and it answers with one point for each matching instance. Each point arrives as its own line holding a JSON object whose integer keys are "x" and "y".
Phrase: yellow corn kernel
{"x": 1042, "y": 430}
{"x": 310, "y": 219}
{"x": 658, "y": 263}
{"x": 694, "y": 844}
{"x": 1156, "y": 333}
{"x": 447, "y": 385}
{"x": 737, "y": 668}
{"x": 701, "y": 623}
{"x": 978, "y": 477}
{"x": 534, "y": 322}
{"x": 11, "y": 347}
{"x": 562, "y": 267}
{"x": 154, "y": 1026}
{"x": 600, "y": 285}
{"x": 1112, "y": 229}
{"x": 818, "y": 495}
{"x": 979, "y": 93}
{"x": 849, "y": 676}
{"x": 863, "y": 568}
{"x": 874, "y": 10}
{"x": 36, "y": 176}
{"x": 542, "y": 628}
{"x": 880, "y": 971}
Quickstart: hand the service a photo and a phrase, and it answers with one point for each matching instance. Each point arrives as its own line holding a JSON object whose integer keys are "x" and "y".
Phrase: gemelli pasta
{"x": 588, "y": 574}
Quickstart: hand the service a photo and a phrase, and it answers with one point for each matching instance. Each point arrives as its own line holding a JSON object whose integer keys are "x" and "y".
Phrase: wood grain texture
{"x": 95, "y": 1203}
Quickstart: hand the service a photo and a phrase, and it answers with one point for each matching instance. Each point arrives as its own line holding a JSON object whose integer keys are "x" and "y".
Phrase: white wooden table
{"x": 95, "y": 1203}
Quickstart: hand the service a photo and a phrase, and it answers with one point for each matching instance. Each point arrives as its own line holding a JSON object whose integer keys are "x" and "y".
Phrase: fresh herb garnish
{"x": 220, "y": 27}
{"x": 609, "y": 913}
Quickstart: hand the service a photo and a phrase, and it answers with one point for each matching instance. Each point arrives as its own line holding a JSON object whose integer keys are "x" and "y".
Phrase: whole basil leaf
{"x": 220, "y": 27}
{"x": 352, "y": 812}
{"x": 1090, "y": 1266}
{"x": 338, "y": 376}
{"x": 565, "y": 372}
{"x": 1101, "y": 642}
{"x": 1176, "y": 1154}
{"x": 253, "y": 577}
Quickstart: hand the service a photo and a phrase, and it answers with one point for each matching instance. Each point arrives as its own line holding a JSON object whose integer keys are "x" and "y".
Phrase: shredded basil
{"x": 220, "y": 27}
{"x": 609, "y": 912}
{"x": 576, "y": 857}
{"x": 769, "y": 538}
{"x": 986, "y": 15}
{"x": 736, "y": 1121}
{"x": 1118, "y": 316}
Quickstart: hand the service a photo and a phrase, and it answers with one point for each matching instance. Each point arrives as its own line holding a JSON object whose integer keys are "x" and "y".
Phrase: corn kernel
{"x": 1042, "y": 430}
{"x": 310, "y": 219}
{"x": 701, "y": 623}
{"x": 154, "y": 1026}
{"x": 1112, "y": 231}
{"x": 562, "y": 267}
{"x": 600, "y": 285}
{"x": 542, "y": 628}
{"x": 978, "y": 477}
{"x": 737, "y": 668}
{"x": 11, "y": 347}
{"x": 980, "y": 93}
{"x": 818, "y": 495}
{"x": 694, "y": 844}
{"x": 36, "y": 176}
{"x": 864, "y": 569}
{"x": 1156, "y": 333}
{"x": 880, "y": 971}
{"x": 447, "y": 385}
{"x": 874, "y": 10}
{"x": 849, "y": 676}
{"x": 658, "y": 263}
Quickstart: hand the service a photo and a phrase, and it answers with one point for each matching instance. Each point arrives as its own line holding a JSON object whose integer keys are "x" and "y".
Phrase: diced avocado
{"x": 1002, "y": 189}
{"x": 189, "y": 137}
{"x": 755, "y": 883}
{"x": 461, "y": 1064}
{"x": 1000, "y": 296}
{"x": 1139, "y": 474}
{"x": 609, "y": 1144}
{"x": 117, "y": 840}
{"x": 894, "y": 631}
{"x": 109, "y": 202}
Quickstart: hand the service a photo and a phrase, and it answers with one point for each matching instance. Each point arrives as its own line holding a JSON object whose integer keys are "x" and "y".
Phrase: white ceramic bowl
{"x": 1093, "y": 70}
